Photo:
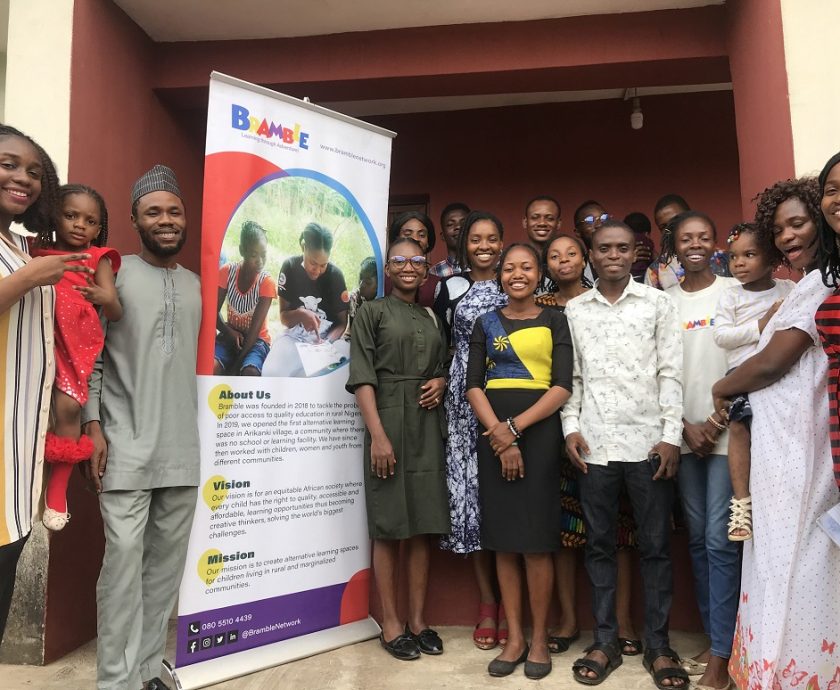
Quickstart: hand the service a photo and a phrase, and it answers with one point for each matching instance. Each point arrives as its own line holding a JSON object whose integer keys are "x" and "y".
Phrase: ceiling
{"x": 201, "y": 20}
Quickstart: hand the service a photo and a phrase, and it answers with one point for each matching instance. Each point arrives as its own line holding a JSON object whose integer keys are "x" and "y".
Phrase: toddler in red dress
{"x": 82, "y": 226}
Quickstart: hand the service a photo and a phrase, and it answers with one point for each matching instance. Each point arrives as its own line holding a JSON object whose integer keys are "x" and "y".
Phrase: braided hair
{"x": 251, "y": 232}
{"x": 67, "y": 190}
{"x": 829, "y": 250}
{"x": 40, "y": 215}
{"x": 805, "y": 189}
{"x": 669, "y": 235}
{"x": 763, "y": 240}
{"x": 472, "y": 218}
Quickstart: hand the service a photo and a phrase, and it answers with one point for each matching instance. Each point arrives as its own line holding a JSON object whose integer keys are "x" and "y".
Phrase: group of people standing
{"x": 520, "y": 413}
{"x": 115, "y": 396}
{"x": 520, "y": 401}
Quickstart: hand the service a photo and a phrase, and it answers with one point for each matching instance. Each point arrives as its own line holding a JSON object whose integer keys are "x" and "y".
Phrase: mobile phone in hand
{"x": 655, "y": 461}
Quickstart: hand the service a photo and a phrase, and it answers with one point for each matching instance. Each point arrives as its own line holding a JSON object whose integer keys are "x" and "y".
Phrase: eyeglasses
{"x": 590, "y": 220}
{"x": 416, "y": 262}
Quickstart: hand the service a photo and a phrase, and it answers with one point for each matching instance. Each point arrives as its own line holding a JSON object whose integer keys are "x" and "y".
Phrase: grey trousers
{"x": 146, "y": 538}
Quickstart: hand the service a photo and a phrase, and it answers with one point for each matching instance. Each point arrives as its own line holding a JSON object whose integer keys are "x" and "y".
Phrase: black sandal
{"x": 635, "y": 645}
{"x": 669, "y": 672}
{"x": 601, "y": 671}
{"x": 558, "y": 645}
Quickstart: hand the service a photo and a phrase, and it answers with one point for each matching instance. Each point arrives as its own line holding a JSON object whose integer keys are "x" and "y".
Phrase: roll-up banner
{"x": 295, "y": 207}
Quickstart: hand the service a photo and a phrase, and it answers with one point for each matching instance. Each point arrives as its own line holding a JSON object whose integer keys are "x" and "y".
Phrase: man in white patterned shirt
{"x": 623, "y": 426}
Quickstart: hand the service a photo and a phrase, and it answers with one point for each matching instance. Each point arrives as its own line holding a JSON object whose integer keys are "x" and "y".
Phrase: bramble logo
{"x": 241, "y": 118}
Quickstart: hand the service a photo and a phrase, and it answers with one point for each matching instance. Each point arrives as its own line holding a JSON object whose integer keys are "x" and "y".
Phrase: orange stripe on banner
{"x": 7, "y": 457}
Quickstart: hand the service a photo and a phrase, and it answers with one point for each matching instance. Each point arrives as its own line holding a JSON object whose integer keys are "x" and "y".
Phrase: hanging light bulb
{"x": 637, "y": 118}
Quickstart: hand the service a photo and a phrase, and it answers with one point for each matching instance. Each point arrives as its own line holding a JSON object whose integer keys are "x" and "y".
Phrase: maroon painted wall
{"x": 498, "y": 158}
{"x": 755, "y": 44}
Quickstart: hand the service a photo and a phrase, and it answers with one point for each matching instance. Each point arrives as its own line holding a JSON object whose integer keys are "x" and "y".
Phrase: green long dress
{"x": 396, "y": 347}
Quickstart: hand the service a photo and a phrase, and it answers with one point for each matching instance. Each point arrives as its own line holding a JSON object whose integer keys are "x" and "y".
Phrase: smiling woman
{"x": 397, "y": 367}
{"x": 519, "y": 374}
{"x": 787, "y": 379}
{"x": 28, "y": 193}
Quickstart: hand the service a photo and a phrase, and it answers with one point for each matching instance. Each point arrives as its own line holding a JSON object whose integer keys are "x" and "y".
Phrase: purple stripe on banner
{"x": 216, "y": 633}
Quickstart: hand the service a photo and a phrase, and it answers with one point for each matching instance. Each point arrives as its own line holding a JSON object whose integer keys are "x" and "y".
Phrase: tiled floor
{"x": 365, "y": 666}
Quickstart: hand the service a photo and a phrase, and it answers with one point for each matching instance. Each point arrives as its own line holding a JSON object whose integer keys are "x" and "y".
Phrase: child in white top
{"x": 743, "y": 312}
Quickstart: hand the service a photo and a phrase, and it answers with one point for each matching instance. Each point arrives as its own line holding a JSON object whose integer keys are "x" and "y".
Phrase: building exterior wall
{"x": 762, "y": 108}
{"x": 497, "y": 158}
{"x": 135, "y": 103}
{"x": 810, "y": 32}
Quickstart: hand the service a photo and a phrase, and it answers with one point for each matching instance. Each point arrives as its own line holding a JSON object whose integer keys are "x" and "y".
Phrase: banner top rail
{"x": 256, "y": 88}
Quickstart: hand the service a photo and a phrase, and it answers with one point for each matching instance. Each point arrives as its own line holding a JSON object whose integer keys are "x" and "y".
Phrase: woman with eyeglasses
{"x": 398, "y": 360}
{"x": 419, "y": 227}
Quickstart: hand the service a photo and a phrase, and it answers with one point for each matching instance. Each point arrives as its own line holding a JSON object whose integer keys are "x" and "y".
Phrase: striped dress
{"x": 828, "y": 326}
{"x": 26, "y": 379}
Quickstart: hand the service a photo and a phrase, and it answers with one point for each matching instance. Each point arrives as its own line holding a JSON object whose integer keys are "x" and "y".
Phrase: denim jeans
{"x": 651, "y": 500}
{"x": 705, "y": 490}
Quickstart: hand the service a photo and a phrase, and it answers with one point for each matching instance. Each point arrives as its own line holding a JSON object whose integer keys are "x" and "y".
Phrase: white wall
{"x": 37, "y": 88}
{"x": 810, "y": 31}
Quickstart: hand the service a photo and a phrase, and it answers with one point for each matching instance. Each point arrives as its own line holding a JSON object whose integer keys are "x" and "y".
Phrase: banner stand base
{"x": 252, "y": 660}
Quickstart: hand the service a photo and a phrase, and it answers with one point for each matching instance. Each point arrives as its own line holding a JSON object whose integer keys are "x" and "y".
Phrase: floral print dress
{"x": 461, "y": 458}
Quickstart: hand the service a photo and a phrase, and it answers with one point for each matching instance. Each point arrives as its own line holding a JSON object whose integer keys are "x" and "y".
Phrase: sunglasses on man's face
{"x": 590, "y": 220}
{"x": 416, "y": 262}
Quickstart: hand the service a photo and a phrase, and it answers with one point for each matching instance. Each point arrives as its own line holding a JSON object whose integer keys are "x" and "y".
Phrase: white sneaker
{"x": 55, "y": 521}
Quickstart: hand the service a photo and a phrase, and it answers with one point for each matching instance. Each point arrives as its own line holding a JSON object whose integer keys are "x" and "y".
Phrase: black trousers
{"x": 651, "y": 501}
{"x": 9, "y": 556}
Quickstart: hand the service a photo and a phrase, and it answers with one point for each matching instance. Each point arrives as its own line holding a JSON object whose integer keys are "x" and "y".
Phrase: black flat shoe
{"x": 498, "y": 667}
{"x": 402, "y": 647}
{"x": 535, "y": 670}
{"x": 558, "y": 645}
{"x": 427, "y": 640}
{"x": 155, "y": 684}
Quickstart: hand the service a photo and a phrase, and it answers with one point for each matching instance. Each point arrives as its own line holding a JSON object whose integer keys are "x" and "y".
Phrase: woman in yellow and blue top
{"x": 518, "y": 376}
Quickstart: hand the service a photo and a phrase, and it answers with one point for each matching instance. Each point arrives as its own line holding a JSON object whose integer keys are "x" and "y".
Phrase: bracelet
{"x": 515, "y": 443}
{"x": 512, "y": 426}
{"x": 716, "y": 424}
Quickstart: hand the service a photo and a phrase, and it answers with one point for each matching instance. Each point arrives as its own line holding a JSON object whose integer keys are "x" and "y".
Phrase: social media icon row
{"x": 216, "y": 640}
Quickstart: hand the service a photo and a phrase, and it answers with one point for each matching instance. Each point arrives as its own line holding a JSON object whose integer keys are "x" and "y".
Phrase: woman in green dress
{"x": 398, "y": 361}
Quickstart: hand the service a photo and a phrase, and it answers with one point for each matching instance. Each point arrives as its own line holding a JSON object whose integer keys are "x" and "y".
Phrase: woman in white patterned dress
{"x": 788, "y": 626}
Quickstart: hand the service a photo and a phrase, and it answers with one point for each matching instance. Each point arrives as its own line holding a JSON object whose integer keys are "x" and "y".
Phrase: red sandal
{"x": 479, "y": 634}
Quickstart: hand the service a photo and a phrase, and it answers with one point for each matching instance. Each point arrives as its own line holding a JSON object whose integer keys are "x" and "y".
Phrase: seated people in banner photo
{"x": 397, "y": 367}
{"x": 364, "y": 292}
{"x": 243, "y": 341}
{"x": 313, "y": 308}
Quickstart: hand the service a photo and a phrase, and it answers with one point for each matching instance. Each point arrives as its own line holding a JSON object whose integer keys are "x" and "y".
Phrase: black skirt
{"x": 524, "y": 515}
